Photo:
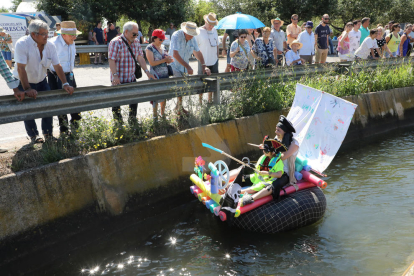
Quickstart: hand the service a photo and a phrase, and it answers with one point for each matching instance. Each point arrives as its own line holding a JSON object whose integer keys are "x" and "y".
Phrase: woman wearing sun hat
{"x": 292, "y": 56}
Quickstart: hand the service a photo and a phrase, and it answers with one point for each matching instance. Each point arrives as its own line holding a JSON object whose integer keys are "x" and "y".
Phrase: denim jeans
{"x": 47, "y": 123}
{"x": 56, "y": 83}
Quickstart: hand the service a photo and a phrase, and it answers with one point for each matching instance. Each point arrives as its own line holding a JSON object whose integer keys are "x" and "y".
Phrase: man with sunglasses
{"x": 33, "y": 56}
{"x": 122, "y": 64}
{"x": 322, "y": 32}
{"x": 293, "y": 30}
{"x": 208, "y": 43}
{"x": 66, "y": 51}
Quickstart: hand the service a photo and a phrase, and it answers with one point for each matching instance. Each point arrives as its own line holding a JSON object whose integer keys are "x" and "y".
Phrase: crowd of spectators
{"x": 247, "y": 49}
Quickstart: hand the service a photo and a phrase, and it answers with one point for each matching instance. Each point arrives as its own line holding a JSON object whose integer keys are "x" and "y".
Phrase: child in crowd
{"x": 367, "y": 47}
{"x": 344, "y": 45}
{"x": 292, "y": 56}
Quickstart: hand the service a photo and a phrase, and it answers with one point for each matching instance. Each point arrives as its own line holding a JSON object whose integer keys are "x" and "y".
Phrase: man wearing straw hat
{"x": 183, "y": 45}
{"x": 279, "y": 38}
{"x": 66, "y": 51}
{"x": 33, "y": 56}
{"x": 209, "y": 46}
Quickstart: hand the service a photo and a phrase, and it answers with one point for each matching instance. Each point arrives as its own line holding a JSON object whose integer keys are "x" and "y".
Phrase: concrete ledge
{"x": 140, "y": 174}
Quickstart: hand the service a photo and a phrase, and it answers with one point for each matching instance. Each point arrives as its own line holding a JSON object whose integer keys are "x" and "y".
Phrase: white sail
{"x": 321, "y": 121}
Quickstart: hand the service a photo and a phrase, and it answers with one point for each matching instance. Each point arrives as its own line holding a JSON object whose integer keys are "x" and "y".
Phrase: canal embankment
{"x": 136, "y": 176}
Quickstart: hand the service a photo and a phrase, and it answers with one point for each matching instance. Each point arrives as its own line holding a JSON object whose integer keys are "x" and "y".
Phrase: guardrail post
{"x": 217, "y": 93}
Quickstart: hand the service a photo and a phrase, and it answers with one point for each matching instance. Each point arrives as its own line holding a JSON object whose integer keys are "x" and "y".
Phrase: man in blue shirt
{"x": 182, "y": 46}
{"x": 322, "y": 32}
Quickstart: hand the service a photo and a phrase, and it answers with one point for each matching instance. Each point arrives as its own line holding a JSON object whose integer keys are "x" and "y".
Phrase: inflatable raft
{"x": 301, "y": 205}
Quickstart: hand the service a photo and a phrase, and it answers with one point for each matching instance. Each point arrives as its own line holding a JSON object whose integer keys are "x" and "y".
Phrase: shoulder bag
{"x": 169, "y": 68}
{"x": 138, "y": 72}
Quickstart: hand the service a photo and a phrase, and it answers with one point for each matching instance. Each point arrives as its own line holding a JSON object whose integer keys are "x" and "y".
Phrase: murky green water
{"x": 367, "y": 230}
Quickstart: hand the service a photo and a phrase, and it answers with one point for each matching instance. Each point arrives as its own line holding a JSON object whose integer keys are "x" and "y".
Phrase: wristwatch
{"x": 146, "y": 70}
{"x": 115, "y": 74}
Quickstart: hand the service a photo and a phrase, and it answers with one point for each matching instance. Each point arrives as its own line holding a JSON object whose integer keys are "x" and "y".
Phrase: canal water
{"x": 367, "y": 230}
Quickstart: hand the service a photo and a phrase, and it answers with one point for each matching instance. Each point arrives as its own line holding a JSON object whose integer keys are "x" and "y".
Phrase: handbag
{"x": 138, "y": 72}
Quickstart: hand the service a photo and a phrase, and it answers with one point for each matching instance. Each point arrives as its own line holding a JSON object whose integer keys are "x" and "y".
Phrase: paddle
{"x": 254, "y": 145}
{"x": 228, "y": 155}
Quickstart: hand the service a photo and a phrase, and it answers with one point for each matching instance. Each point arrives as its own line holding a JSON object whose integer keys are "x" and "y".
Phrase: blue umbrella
{"x": 239, "y": 21}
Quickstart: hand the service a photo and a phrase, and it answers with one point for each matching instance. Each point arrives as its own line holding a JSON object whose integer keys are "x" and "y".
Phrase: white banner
{"x": 321, "y": 121}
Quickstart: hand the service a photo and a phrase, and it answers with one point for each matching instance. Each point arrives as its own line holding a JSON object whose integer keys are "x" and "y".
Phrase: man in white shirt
{"x": 208, "y": 43}
{"x": 279, "y": 38}
{"x": 354, "y": 36}
{"x": 33, "y": 56}
{"x": 66, "y": 51}
{"x": 307, "y": 38}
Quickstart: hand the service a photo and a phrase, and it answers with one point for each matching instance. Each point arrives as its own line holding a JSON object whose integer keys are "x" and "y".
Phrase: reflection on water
{"x": 367, "y": 230}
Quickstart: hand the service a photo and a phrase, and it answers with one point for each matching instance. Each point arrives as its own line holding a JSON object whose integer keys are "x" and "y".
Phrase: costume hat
{"x": 273, "y": 145}
{"x": 285, "y": 125}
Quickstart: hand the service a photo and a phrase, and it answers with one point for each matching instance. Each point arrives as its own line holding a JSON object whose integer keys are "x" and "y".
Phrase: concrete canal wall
{"x": 139, "y": 174}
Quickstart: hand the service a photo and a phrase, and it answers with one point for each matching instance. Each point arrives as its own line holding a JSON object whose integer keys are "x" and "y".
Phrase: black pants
{"x": 116, "y": 110}
{"x": 56, "y": 83}
{"x": 276, "y": 186}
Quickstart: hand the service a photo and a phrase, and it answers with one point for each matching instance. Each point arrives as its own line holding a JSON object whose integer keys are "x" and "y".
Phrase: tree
{"x": 399, "y": 11}
{"x": 201, "y": 8}
{"x": 15, "y": 5}
{"x": 159, "y": 12}
{"x": 266, "y": 10}
{"x": 349, "y": 10}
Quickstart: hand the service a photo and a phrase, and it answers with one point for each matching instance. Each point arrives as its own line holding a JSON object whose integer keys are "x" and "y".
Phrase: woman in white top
{"x": 367, "y": 47}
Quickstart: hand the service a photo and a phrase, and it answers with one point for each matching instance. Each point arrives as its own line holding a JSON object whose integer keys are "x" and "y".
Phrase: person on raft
{"x": 270, "y": 167}
{"x": 284, "y": 133}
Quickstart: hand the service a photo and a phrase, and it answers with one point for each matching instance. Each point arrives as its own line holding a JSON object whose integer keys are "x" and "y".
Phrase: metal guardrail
{"x": 85, "y": 49}
{"x": 58, "y": 102}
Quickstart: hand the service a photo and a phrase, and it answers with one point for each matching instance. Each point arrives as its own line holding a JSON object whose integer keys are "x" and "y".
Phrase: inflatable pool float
{"x": 301, "y": 205}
